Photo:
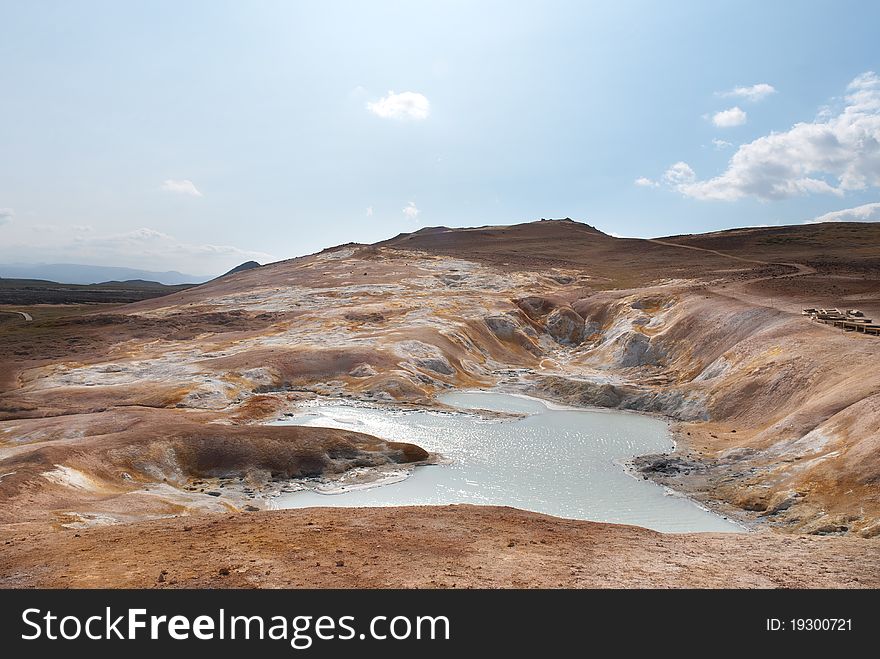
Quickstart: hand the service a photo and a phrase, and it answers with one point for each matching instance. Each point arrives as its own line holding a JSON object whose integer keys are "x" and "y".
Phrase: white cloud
{"x": 864, "y": 213}
{"x": 753, "y": 93}
{"x": 832, "y": 155}
{"x": 720, "y": 144}
{"x": 406, "y": 105}
{"x": 411, "y": 211}
{"x": 369, "y": 211}
{"x": 645, "y": 182}
{"x": 679, "y": 174}
{"x": 6, "y": 215}
{"x": 734, "y": 116}
{"x": 182, "y": 186}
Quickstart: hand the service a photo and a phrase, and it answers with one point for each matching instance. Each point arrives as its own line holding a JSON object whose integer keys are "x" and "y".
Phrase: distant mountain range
{"x": 74, "y": 273}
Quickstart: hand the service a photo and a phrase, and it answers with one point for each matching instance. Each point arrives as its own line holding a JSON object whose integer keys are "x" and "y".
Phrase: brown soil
{"x": 425, "y": 547}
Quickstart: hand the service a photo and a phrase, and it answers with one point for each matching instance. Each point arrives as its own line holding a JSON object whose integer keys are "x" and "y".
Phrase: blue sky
{"x": 196, "y": 135}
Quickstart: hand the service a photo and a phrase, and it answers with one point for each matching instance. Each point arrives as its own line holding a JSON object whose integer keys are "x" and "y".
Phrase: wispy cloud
{"x": 143, "y": 247}
{"x": 411, "y": 211}
{"x": 181, "y": 186}
{"x": 729, "y": 118}
{"x": 6, "y": 215}
{"x": 751, "y": 93}
{"x": 645, "y": 182}
{"x": 150, "y": 241}
{"x": 833, "y": 154}
{"x": 864, "y": 213}
{"x": 406, "y": 105}
{"x": 369, "y": 211}
{"x": 721, "y": 144}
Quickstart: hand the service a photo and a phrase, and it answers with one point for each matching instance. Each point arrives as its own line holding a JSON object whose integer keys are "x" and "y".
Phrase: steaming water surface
{"x": 564, "y": 462}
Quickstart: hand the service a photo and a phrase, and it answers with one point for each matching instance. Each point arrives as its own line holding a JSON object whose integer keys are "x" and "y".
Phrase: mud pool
{"x": 560, "y": 461}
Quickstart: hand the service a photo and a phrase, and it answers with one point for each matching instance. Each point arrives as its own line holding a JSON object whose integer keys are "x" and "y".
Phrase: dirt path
{"x": 710, "y": 251}
{"x": 422, "y": 547}
{"x": 736, "y": 291}
{"x": 800, "y": 267}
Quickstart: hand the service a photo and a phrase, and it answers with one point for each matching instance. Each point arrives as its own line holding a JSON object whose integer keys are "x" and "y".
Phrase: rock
{"x": 829, "y": 529}
{"x": 871, "y": 531}
{"x": 507, "y": 330}
{"x": 536, "y": 306}
{"x": 453, "y": 280}
{"x": 393, "y": 387}
{"x": 782, "y": 501}
{"x": 502, "y": 326}
{"x": 636, "y": 349}
{"x": 224, "y": 571}
{"x": 362, "y": 371}
{"x": 340, "y": 563}
{"x": 566, "y": 326}
{"x": 651, "y": 302}
{"x": 213, "y": 493}
{"x": 425, "y": 355}
{"x": 665, "y": 465}
{"x": 583, "y": 392}
{"x": 367, "y": 317}
{"x": 408, "y": 452}
{"x": 676, "y": 404}
{"x": 437, "y": 365}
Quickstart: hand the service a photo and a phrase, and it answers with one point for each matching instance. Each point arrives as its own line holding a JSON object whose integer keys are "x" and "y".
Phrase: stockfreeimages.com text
{"x": 300, "y": 631}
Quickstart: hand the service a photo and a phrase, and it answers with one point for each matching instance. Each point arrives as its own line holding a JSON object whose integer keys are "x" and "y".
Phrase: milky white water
{"x": 564, "y": 462}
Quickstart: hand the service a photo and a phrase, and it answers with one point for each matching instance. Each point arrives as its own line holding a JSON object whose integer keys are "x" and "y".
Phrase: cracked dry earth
{"x": 132, "y": 439}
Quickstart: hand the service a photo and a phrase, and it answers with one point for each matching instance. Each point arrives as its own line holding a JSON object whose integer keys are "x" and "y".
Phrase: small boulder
{"x": 566, "y": 326}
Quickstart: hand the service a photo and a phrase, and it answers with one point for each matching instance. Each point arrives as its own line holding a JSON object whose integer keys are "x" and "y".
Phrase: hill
{"x": 36, "y": 291}
{"x": 247, "y": 265}
{"x": 75, "y": 273}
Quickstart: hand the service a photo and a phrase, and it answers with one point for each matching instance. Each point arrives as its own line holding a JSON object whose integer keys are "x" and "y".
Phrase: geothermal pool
{"x": 561, "y": 461}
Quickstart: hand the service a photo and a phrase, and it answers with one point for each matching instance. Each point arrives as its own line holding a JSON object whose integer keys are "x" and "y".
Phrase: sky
{"x": 196, "y": 135}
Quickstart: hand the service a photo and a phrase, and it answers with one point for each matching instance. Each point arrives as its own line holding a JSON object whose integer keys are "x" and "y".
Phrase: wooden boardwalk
{"x": 849, "y": 321}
